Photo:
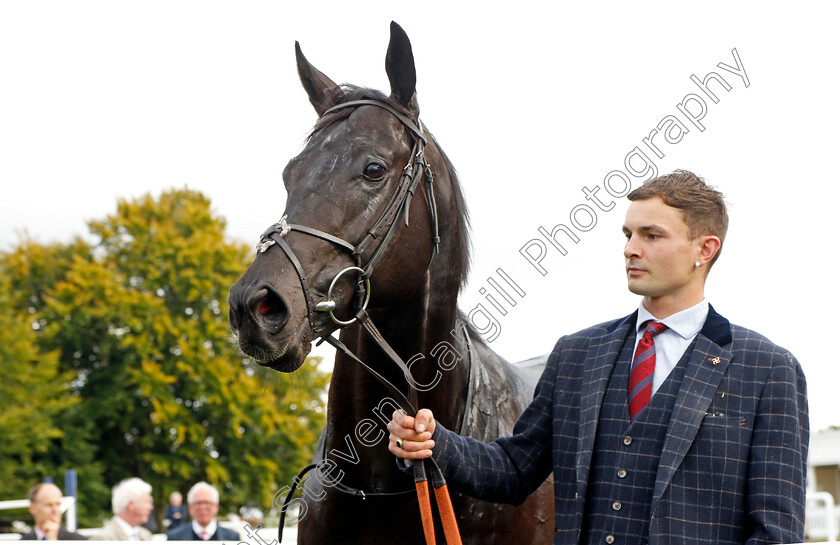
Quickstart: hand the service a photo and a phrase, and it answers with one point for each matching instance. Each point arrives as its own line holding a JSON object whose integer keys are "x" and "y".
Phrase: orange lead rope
{"x": 447, "y": 516}
{"x": 421, "y": 483}
{"x": 426, "y": 515}
{"x": 447, "y": 513}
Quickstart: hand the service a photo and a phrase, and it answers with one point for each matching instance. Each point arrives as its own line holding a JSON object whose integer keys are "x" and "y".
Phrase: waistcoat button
{"x": 616, "y": 506}
{"x": 628, "y": 440}
{"x": 610, "y": 539}
{"x": 622, "y": 473}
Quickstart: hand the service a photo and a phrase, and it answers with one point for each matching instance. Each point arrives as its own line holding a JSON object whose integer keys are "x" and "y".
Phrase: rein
{"x": 384, "y": 229}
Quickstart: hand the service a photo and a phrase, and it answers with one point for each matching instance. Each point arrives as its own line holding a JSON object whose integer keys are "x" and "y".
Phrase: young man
{"x": 45, "y": 506}
{"x": 670, "y": 425}
{"x": 203, "y": 501}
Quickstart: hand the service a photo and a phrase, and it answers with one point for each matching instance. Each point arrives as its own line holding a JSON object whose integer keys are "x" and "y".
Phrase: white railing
{"x": 822, "y": 517}
{"x": 68, "y": 507}
{"x": 290, "y": 539}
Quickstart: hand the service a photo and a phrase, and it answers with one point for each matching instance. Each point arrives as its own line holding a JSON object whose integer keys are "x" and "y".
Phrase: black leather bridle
{"x": 385, "y": 227}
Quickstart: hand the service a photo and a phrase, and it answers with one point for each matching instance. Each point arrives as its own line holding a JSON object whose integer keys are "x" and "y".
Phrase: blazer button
{"x": 622, "y": 473}
{"x": 610, "y": 539}
{"x": 628, "y": 440}
{"x": 616, "y": 506}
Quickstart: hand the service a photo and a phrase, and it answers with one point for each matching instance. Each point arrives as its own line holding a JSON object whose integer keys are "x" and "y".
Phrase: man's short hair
{"x": 703, "y": 207}
{"x": 127, "y": 491}
{"x": 198, "y": 486}
{"x": 33, "y": 492}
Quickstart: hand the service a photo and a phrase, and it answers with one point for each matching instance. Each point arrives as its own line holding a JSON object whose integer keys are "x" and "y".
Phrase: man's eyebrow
{"x": 645, "y": 228}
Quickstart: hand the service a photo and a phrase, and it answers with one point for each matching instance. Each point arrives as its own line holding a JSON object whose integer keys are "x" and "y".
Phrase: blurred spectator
{"x": 176, "y": 511}
{"x": 45, "y": 506}
{"x": 203, "y": 500}
{"x": 131, "y": 501}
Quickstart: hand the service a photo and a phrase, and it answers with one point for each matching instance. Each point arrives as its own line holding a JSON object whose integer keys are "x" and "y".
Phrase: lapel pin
{"x": 714, "y": 360}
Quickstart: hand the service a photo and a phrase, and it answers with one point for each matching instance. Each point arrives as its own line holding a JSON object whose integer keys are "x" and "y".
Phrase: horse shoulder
{"x": 498, "y": 392}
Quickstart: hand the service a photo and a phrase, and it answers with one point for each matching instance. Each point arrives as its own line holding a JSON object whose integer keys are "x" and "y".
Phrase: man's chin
{"x": 636, "y": 288}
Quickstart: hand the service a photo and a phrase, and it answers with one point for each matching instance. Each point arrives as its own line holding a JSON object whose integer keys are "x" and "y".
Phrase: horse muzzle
{"x": 260, "y": 317}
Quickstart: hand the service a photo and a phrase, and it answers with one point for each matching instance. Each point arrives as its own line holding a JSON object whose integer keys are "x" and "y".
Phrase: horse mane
{"x": 458, "y": 267}
{"x": 461, "y": 262}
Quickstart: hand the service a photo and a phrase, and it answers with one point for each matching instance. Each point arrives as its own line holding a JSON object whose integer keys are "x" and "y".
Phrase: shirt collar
{"x": 210, "y": 528}
{"x": 39, "y": 534}
{"x": 127, "y": 528}
{"x": 685, "y": 323}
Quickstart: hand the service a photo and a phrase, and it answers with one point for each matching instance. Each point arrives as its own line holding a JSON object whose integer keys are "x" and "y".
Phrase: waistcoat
{"x": 626, "y": 457}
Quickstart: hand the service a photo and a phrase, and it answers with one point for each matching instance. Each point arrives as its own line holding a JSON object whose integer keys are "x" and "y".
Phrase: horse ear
{"x": 323, "y": 92}
{"x": 399, "y": 64}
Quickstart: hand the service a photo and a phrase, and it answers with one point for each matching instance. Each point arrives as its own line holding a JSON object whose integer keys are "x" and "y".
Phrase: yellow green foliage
{"x": 138, "y": 322}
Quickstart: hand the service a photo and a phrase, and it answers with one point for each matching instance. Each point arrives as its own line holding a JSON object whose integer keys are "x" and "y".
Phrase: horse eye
{"x": 374, "y": 172}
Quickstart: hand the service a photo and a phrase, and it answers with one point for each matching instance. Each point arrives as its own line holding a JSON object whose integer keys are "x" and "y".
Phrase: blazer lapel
{"x": 597, "y": 367}
{"x": 706, "y": 366}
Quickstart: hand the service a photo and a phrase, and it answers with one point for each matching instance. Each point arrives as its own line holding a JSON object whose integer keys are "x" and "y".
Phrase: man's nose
{"x": 631, "y": 249}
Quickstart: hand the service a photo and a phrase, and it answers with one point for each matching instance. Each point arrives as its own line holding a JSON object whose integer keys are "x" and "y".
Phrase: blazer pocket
{"x": 721, "y": 446}
{"x": 722, "y": 420}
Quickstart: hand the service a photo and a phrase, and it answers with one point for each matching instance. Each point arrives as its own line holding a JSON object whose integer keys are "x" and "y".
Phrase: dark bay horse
{"x": 375, "y": 211}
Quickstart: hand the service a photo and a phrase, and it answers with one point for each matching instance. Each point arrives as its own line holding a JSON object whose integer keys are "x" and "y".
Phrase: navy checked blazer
{"x": 733, "y": 462}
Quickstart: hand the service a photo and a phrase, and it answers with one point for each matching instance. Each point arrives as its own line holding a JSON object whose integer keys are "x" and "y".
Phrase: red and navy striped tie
{"x": 641, "y": 373}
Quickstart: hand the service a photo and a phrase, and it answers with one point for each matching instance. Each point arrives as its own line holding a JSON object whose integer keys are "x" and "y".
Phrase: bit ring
{"x": 332, "y": 286}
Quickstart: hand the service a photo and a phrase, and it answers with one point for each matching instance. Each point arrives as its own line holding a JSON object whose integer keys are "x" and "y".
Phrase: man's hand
{"x": 413, "y": 433}
{"x": 50, "y": 528}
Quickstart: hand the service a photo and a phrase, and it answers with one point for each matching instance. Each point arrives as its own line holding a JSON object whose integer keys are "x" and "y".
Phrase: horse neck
{"x": 413, "y": 329}
{"x": 425, "y": 332}
{"x": 417, "y": 331}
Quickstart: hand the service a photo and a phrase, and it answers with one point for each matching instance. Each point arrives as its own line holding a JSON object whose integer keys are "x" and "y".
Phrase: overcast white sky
{"x": 531, "y": 101}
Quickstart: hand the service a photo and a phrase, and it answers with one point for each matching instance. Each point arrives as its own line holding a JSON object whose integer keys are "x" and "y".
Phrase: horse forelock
{"x": 351, "y": 93}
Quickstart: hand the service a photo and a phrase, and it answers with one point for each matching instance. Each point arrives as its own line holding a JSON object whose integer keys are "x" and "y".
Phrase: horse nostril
{"x": 270, "y": 306}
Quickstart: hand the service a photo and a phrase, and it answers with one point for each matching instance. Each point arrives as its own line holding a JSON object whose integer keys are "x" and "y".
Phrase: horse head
{"x": 353, "y": 227}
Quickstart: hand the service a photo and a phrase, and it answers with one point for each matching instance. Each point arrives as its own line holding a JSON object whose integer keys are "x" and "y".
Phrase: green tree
{"x": 140, "y": 319}
{"x": 43, "y": 434}
{"x": 32, "y": 394}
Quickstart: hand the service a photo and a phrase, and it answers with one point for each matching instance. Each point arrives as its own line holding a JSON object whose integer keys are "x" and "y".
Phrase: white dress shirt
{"x": 671, "y": 343}
{"x": 132, "y": 532}
{"x": 210, "y": 528}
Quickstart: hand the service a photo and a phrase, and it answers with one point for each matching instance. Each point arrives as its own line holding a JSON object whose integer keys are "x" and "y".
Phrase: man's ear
{"x": 709, "y": 248}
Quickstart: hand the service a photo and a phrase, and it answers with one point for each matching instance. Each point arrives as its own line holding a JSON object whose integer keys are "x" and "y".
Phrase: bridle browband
{"x": 385, "y": 227}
